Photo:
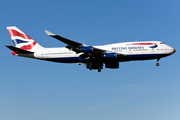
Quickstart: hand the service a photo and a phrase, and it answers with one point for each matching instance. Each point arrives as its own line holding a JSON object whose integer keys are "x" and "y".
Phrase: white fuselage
{"x": 133, "y": 51}
{"x": 93, "y": 56}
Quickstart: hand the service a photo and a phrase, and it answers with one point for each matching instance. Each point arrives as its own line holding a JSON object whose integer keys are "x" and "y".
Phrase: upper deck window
{"x": 161, "y": 43}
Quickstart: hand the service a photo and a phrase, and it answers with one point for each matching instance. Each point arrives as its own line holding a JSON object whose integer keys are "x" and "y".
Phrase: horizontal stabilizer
{"x": 18, "y": 50}
{"x": 64, "y": 40}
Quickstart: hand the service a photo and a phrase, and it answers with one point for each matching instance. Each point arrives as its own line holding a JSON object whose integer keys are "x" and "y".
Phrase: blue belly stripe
{"x": 67, "y": 59}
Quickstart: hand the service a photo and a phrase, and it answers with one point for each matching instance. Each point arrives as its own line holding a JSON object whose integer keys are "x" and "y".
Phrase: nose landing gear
{"x": 157, "y": 64}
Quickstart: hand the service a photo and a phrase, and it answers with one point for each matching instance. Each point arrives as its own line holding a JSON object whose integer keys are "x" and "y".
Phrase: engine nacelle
{"x": 112, "y": 65}
{"x": 110, "y": 55}
{"x": 86, "y": 49}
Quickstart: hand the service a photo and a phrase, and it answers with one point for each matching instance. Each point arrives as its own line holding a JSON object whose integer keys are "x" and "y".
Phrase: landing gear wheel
{"x": 100, "y": 67}
{"x": 157, "y": 64}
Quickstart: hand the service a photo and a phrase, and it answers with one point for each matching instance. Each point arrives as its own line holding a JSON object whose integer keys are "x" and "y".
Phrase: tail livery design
{"x": 95, "y": 57}
{"x": 21, "y": 40}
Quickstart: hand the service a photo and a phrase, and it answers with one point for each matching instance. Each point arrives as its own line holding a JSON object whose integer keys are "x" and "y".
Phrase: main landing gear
{"x": 89, "y": 66}
{"x": 98, "y": 66}
{"x": 157, "y": 64}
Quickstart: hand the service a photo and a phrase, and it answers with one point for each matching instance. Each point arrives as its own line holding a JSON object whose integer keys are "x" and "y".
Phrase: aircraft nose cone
{"x": 174, "y": 50}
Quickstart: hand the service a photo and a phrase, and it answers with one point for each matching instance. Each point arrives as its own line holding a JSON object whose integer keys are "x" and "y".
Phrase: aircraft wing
{"x": 89, "y": 52}
{"x": 71, "y": 44}
{"x": 64, "y": 40}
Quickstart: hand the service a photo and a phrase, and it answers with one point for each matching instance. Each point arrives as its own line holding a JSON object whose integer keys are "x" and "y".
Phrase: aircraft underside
{"x": 104, "y": 60}
{"x": 109, "y": 63}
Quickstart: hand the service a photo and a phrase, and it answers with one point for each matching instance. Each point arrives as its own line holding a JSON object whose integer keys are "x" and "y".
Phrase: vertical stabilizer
{"x": 21, "y": 40}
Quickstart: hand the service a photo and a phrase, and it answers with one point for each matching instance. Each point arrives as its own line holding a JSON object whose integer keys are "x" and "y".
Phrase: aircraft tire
{"x": 157, "y": 64}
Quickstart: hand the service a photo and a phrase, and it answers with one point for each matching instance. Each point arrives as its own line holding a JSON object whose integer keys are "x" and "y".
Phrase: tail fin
{"x": 21, "y": 40}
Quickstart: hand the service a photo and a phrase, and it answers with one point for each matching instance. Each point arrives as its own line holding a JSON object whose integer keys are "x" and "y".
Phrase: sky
{"x": 35, "y": 89}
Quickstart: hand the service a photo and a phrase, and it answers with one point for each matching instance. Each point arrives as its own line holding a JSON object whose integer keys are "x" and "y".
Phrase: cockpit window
{"x": 161, "y": 43}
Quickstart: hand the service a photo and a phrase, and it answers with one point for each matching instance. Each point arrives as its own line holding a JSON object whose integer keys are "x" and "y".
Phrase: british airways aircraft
{"x": 92, "y": 56}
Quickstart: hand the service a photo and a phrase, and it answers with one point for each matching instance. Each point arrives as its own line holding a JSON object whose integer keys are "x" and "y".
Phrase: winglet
{"x": 49, "y": 33}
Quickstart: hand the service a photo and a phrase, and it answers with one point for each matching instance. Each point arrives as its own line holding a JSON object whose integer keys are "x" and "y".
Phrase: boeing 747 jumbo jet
{"x": 92, "y": 56}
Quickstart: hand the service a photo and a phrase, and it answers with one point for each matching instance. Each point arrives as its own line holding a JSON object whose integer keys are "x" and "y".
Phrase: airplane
{"x": 92, "y": 56}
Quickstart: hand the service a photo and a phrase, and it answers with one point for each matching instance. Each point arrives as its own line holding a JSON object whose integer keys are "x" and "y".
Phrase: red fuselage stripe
{"x": 144, "y": 44}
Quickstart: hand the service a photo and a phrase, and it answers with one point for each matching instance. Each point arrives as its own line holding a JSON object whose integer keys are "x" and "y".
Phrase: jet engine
{"x": 86, "y": 49}
{"x": 112, "y": 65}
{"x": 110, "y": 55}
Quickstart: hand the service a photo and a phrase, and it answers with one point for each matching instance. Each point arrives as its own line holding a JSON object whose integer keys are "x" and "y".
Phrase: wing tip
{"x": 49, "y": 33}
